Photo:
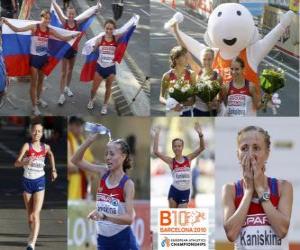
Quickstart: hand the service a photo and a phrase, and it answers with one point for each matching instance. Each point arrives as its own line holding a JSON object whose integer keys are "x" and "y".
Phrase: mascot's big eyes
{"x": 239, "y": 13}
{"x": 219, "y": 13}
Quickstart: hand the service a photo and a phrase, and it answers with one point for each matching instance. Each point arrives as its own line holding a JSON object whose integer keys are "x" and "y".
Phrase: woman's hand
{"x": 95, "y": 215}
{"x": 155, "y": 131}
{"x": 53, "y": 175}
{"x": 259, "y": 177}
{"x": 93, "y": 137}
{"x": 178, "y": 108}
{"x": 27, "y": 161}
{"x": 198, "y": 128}
{"x": 247, "y": 173}
{"x": 189, "y": 102}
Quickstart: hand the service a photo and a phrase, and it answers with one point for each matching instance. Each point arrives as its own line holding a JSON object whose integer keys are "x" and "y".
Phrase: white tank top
{"x": 39, "y": 42}
{"x": 181, "y": 173}
{"x": 36, "y": 169}
{"x": 110, "y": 200}
{"x": 107, "y": 53}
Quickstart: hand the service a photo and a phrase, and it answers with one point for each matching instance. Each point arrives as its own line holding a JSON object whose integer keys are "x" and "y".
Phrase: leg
{"x": 172, "y": 203}
{"x": 183, "y": 205}
{"x": 63, "y": 75}
{"x": 38, "y": 199}
{"x": 40, "y": 83}
{"x": 96, "y": 83}
{"x": 108, "y": 84}
{"x": 33, "y": 86}
{"x": 28, "y": 200}
{"x": 70, "y": 66}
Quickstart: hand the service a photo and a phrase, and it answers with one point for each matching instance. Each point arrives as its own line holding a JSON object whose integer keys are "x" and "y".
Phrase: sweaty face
{"x": 236, "y": 69}
{"x": 36, "y": 132}
{"x": 114, "y": 156}
{"x": 252, "y": 143}
{"x": 71, "y": 14}
{"x": 207, "y": 60}
{"x": 46, "y": 19}
{"x": 177, "y": 147}
{"x": 109, "y": 28}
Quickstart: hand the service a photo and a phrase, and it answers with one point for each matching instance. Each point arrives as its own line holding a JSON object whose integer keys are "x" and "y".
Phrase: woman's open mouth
{"x": 230, "y": 42}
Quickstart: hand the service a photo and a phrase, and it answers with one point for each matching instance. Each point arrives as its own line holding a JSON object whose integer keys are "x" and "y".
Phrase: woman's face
{"x": 236, "y": 70}
{"x": 207, "y": 60}
{"x": 46, "y": 19}
{"x": 109, "y": 28}
{"x": 37, "y": 132}
{"x": 252, "y": 144}
{"x": 177, "y": 147}
{"x": 182, "y": 60}
{"x": 71, "y": 14}
{"x": 114, "y": 156}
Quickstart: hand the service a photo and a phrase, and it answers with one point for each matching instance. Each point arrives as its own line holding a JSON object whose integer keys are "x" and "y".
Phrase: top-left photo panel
{"x": 75, "y": 57}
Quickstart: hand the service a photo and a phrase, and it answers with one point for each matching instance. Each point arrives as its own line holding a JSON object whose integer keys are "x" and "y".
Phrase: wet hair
{"x": 175, "y": 53}
{"x": 240, "y": 61}
{"x": 45, "y": 12}
{"x": 265, "y": 133}
{"x": 177, "y": 139}
{"x": 35, "y": 123}
{"x": 110, "y": 21}
{"x": 76, "y": 120}
{"x": 124, "y": 147}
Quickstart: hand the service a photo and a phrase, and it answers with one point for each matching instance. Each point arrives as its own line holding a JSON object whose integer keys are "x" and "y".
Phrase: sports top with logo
{"x": 107, "y": 53}
{"x": 239, "y": 101}
{"x": 39, "y": 42}
{"x": 257, "y": 233}
{"x": 36, "y": 168}
{"x": 110, "y": 200}
{"x": 181, "y": 173}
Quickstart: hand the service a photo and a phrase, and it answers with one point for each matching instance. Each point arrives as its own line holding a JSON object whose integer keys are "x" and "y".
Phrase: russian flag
{"x": 124, "y": 34}
{"x": 16, "y": 48}
{"x": 84, "y": 20}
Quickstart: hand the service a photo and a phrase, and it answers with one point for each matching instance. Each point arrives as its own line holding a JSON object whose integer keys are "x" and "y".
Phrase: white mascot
{"x": 231, "y": 32}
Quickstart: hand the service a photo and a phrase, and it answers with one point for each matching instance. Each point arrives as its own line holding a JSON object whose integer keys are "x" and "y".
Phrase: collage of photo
{"x": 149, "y": 125}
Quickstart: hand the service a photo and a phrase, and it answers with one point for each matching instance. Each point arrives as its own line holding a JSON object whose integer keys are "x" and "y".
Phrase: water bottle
{"x": 97, "y": 128}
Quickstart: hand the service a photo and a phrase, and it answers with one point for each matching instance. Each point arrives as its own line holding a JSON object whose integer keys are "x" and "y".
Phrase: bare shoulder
{"x": 228, "y": 189}
{"x": 166, "y": 76}
{"x": 284, "y": 186}
{"x": 129, "y": 184}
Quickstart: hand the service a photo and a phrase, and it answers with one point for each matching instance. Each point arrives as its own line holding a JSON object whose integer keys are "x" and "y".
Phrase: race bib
{"x": 107, "y": 55}
{"x": 37, "y": 165}
{"x": 182, "y": 177}
{"x": 236, "y": 105}
{"x": 258, "y": 234}
{"x": 107, "y": 204}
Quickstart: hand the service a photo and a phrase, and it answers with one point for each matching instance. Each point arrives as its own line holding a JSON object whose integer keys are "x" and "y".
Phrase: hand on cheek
{"x": 259, "y": 177}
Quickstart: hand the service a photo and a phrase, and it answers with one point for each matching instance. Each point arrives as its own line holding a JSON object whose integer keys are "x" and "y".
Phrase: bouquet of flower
{"x": 180, "y": 90}
{"x": 271, "y": 80}
{"x": 207, "y": 89}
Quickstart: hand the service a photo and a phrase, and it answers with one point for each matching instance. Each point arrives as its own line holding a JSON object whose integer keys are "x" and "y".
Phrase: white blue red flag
{"x": 16, "y": 48}
{"x": 124, "y": 34}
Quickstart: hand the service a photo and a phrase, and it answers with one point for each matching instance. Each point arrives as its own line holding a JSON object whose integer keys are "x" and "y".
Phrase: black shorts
{"x": 71, "y": 53}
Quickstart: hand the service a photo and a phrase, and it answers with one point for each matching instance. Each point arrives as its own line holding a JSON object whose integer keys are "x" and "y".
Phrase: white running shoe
{"x": 104, "y": 109}
{"x": 42, "y": 103}
{"x": 36, "y": 111}
{"x": 61, "y": 99}
{"x": 68, "y": 92}
{"x": 90, "y": 104}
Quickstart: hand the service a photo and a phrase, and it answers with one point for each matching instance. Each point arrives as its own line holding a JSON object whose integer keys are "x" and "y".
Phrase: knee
{"x": 35, "y": 217}
{"x": 108, "y": 85}
{"x": 30, "y": 218}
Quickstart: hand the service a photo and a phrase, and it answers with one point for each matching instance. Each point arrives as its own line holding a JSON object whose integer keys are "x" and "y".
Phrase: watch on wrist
{"x": 264, "y": 197}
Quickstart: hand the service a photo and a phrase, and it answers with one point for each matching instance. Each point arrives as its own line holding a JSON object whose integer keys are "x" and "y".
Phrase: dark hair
{"x": 111, "y": 21}
{"x": 36, "y": 122}
{"x": 76, "y": 120}
{"x": 258, "y": 129}
{"x": 124, "y": 147}
{"x": 177, "y": 139}
{"x": 175, "y": 53}
{"x": 240, "y": 61}
{"x": 45, "y": 12}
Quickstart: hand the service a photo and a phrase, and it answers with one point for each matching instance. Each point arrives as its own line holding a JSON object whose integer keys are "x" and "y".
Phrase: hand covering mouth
{"x": 230, "y": 42}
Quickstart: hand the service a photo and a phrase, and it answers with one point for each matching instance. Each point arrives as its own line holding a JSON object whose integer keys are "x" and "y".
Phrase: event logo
{"x": 165, "y": 242}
